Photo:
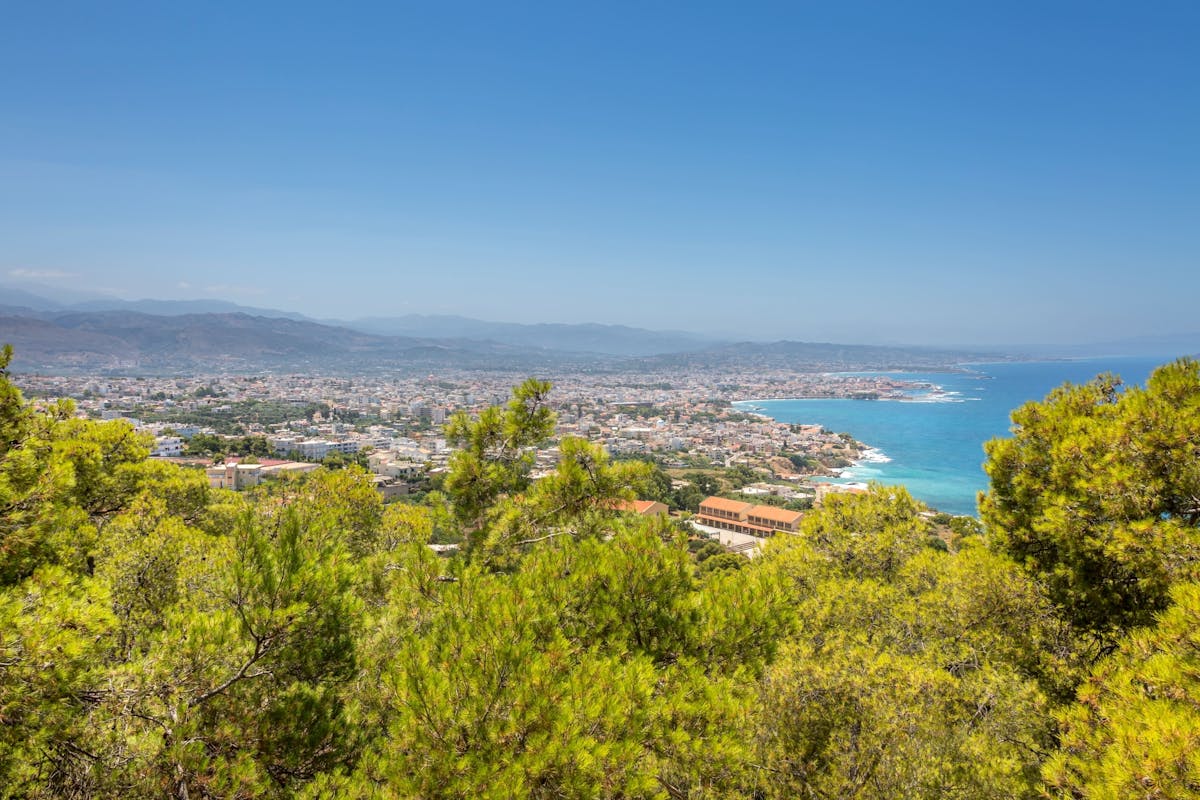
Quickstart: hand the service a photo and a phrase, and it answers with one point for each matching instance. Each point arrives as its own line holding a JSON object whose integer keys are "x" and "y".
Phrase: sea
{"x": 932, "y": 442}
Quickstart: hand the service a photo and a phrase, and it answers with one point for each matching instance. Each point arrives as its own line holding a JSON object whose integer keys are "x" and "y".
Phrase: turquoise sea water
{"x": 935, "y": 449}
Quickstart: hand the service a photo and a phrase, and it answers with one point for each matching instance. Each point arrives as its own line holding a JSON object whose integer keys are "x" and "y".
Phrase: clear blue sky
{"x": 952, "y": 173}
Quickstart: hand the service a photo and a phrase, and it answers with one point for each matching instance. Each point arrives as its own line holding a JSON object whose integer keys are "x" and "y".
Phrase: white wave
{"x": 873, "y": 455}
{"x": 936, "y": 398}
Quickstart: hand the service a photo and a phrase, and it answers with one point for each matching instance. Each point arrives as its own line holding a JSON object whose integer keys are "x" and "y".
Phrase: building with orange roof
{"x": 734, "y": 515}
{"x": 643, "y": 508}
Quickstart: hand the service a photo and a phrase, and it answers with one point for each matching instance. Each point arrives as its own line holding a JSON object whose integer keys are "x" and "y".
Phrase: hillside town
{"x": 394, "y": 426}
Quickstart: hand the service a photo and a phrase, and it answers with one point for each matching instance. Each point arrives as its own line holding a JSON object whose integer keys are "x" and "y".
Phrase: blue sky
{"x": 917, "y": 172}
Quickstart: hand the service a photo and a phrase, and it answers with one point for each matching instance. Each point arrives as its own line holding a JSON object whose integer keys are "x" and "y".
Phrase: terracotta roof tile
{"x": 776, "y": 514}
{"x": 733, "y": 506}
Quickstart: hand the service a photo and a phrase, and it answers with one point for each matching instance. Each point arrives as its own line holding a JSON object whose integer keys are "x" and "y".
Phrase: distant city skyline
{"x": 923, "y": 173}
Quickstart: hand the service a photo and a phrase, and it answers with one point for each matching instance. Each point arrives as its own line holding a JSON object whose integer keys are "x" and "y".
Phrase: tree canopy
{"x": 1098, "y": 494}
{"x": 159, "y": 638}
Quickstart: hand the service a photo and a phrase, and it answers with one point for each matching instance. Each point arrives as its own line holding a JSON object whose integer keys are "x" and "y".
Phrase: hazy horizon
{"x": 1173, "y": 344}
{"x": 924, "y": 174}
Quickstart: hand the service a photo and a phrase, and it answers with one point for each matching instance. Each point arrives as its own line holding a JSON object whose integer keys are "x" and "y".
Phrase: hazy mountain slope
{"x": 125, "y": 340}
{"x": 588, "y": 337}
{"x": 182, "y": 307}
{"x": 133, "y": 341}
{"x": 618, "y": 340}
{"x": 13, "y": 297}
{"x": 41, "y": 344}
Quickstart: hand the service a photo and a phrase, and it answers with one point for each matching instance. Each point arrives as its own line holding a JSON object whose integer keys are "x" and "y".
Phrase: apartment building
{"x": 739, "y": 517}
{"x": 387, "y": 465}
{"x": 167, "y": 447}
{"x": 312, "y": 449}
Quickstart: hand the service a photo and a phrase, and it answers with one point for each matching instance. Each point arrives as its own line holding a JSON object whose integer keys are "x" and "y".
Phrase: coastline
{"x": 936, "y": 392}
{"x": 867, "y": 453}
{"x": 937, "y": 447}
{"x": 919, "y": 391}
{"x": 845, "y": 475}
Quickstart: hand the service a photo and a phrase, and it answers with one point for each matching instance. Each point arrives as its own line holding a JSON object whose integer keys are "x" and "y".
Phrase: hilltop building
{"x": 739, "y": 517}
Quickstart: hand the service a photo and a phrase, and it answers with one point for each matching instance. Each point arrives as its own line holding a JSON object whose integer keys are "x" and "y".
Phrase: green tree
{"x": 571, "y": 676}
{"x": 687, "y": 498}
{"x": 496, "y": 451}
{"x": 53, "y": 636}
{"x": 706, "y": 484}
{"x": 255, "y": 446}
{"x": 871, "y": 535}
{"x": 844, "y": 718}
{"x": 335, "y": 461}
{"x": 911, "y": 674}
{"x": 803, "y": 462}
{"x": 162, "y": 639}
{"x": 722, "y": 561}
{"x": 236, "y": 689}
{"x": 202, "y": 444}
{"x": 658, "y": 484}
{"x": 1135, "y": 731}
{"x": 741, "y": 475}
{"x": 343, "y": 501}
{"x": 581, "y": 497}
{"x": 36, "y": 480}
{"x": 1096, "y": 493}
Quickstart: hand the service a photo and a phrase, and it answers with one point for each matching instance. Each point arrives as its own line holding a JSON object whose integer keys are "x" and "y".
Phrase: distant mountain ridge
{"x": 172, "y": 308}
{"x": 127, "y": 341}
{"x": 133, "y": 342}
{"x": 616, "y": 340}
{"x": 587, "y": 337}
{"x": 82, "y": 337}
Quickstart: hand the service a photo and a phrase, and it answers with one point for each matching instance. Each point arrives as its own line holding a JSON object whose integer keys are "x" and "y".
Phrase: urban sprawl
{"x": 394, "y": 426}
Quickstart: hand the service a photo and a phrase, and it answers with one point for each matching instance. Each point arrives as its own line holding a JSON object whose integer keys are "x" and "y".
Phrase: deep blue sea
{"x": 935, "y": 449}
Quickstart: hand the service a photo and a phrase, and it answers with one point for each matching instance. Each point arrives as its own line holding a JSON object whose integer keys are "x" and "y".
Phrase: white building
{"x": 234, "y": 476}
{"x": 167, "y": 447}
{"x": 312, "y": 449}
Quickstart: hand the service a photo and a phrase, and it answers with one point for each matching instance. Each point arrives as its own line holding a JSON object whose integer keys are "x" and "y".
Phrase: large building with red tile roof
{"x": 734, "y": 515}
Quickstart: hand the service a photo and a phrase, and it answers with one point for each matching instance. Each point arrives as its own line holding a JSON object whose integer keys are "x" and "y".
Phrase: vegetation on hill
{"x": 162, "y": 639}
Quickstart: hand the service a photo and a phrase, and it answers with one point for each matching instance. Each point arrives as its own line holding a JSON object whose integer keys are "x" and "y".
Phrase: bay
{"x": 933, "y": 445}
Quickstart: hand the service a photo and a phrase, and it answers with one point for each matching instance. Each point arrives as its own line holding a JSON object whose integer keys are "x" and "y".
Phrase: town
{"x": 246, "y": 429}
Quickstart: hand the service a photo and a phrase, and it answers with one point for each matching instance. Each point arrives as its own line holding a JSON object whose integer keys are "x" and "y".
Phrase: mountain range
{"x": 166, "y": 336}
{"x": 130, "y": 341}
{"x": 174, "y": 336}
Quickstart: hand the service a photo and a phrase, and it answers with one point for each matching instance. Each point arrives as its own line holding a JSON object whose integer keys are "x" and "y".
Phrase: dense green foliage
{"x": 230, "y": 418}
{"x": 161, "y": 639}
{"x": 1098, "y": 495}
{"x": 208, "y": 444}
{"x": 1135, "y": 731}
